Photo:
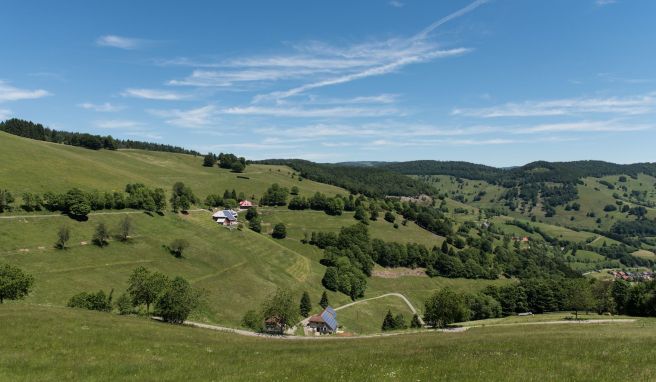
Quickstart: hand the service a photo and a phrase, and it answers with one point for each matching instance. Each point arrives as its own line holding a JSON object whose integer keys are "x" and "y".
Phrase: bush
{"x": 253, "y": 321}
{"x": 255, "y": 224}
{"x": 279, "y": 231}
{"x": 177, "y": 246}
{"x": 124, "y": 304}
{"x": 93, "y": 301}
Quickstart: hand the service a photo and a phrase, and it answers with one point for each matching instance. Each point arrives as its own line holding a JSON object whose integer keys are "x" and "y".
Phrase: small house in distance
{"x": 325, "y": 322}
{"x": 245, "y": 204}
{"x": 225, "y": 217}
{"x": 273, "y": 325}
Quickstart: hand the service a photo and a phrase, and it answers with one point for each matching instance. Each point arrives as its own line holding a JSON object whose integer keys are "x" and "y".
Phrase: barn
{"x": 325, "y": 322}
{"x": 225, "y": 217}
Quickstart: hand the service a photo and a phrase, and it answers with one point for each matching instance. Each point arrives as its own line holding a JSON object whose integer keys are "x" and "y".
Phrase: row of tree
{"x": 29, "y": 129}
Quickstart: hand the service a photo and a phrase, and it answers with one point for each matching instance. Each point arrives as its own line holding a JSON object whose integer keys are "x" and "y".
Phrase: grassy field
{"x": 367, "y": 317}
{"x": 35, "y": 166}
{"x": 236, "y": 268}
{"x": 45, "y": 343}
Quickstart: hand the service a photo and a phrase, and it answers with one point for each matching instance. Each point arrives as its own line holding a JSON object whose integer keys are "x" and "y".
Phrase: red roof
{"x": 245, "y": 203}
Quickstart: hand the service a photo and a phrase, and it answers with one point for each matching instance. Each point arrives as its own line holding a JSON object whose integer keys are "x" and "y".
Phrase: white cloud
{"x": 585, "y": 126}
{"x": 369, "y": 72}
{"x": 297, "y": 112}
{"x": 632, "y": 105}
{"x": 316, "y": 64}
{"x": 144, "y": 135}
{"x": 120, "y": 42}
{"x": 601, "y": 3}
{"x": 11, "y": 93}
{"x": 154, "y": 94}
{"x": 5, "y": 114}
{"x": 396, "y": 4}
{"x": 117, "y": 124}
{"x": 191, "y": 118}
{"x": 103, "y": 107}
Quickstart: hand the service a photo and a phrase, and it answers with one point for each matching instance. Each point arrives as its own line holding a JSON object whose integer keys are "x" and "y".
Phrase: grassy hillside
{"x": 35, "y": 166}
{"x": 44, "y": 343}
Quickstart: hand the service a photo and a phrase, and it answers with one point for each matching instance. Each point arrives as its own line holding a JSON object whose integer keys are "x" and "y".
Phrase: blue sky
{"x": 499, "y": 82}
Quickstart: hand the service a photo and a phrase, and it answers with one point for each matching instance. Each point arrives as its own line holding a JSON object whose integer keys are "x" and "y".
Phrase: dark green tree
{"x": 445, "y": 307}
{"x": 279, "y": 231}
{"x": 176, "y": 301}
{"x": 209, "y": 160}
{"x": 305, "y": 305}
{"x": 389, "y": 217}
{"x": 178, "y": 246}
{"x": 238, "y": 167}
{"x": 324, "y": 300}
{"x": 388, "y": 322}
{"x": 255, "y": 224}
{"x": 6, "y": 200}
{"x": 280, "y": 306}
{"x": 251, "y": 213}
{"x": 144, "y": 286}
{"x": 14, "y": 283}
{"x": 415, "y": 323}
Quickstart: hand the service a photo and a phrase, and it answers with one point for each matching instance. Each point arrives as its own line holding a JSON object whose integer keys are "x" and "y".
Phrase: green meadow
{"x": 54, "y": 344}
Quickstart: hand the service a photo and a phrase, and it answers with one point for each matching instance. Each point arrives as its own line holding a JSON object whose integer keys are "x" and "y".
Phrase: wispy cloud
{"x": 314, "y": 64}
{"x": 602, "y": 3}
{"x": 633, "y": 105}
{"x": 154, "y": 94}
{"x": 191, "y": 118}
{"x": 585, "y": 126}
{"x": 396, "y": 3}
{"x": 299, "y": 112}
{"x": 117, "y": 124}
{"x": 120, "y": 42}
{"x": 11, "y": 93}
{"x": 102, "y": 107}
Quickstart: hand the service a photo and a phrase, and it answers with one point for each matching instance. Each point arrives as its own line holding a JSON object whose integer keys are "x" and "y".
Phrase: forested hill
{"x": 540, "y": 171}
{"x": 370, "y": 181}
{"x": 29, "y": 129}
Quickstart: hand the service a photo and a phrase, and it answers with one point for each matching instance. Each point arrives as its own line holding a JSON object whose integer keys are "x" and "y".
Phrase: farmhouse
{"x": 325, "y": 322}
{"x": 273, "y": 325}
{"x": 245, "y": 204}
{"x": 225, "y": 217}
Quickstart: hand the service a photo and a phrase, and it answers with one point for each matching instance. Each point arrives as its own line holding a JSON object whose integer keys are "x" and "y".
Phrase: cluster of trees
{"x": 173, "y": 298}
{"x": 537, "y": 296}
{"x": 275, "y": 196}
{"x": 349, "y": 262}
{"x": 182, "y": 197}
{"x": 229, "y": 199}
{"x": 279, "y": 307}
{"x": 29, "y": 129}
{"x": 369, "y": 181}
{"x": 397, "y": 322}
{"x": 227, "y": 161}
{"x": 320, "y": 202}
{"x": 101, "y": 234}
{"x": 79, "y": 204}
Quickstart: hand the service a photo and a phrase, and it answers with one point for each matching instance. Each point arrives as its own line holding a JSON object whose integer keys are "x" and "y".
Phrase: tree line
{"x": 37, "y": 131}
{"x": 79, "y": 204}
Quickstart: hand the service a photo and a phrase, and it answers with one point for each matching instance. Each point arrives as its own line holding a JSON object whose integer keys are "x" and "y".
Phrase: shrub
{"x": 279, "y": 231}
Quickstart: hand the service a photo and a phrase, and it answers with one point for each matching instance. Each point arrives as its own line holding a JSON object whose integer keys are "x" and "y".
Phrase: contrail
{"x": 461, "y": 12}
{"x": 386, "y": 68}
